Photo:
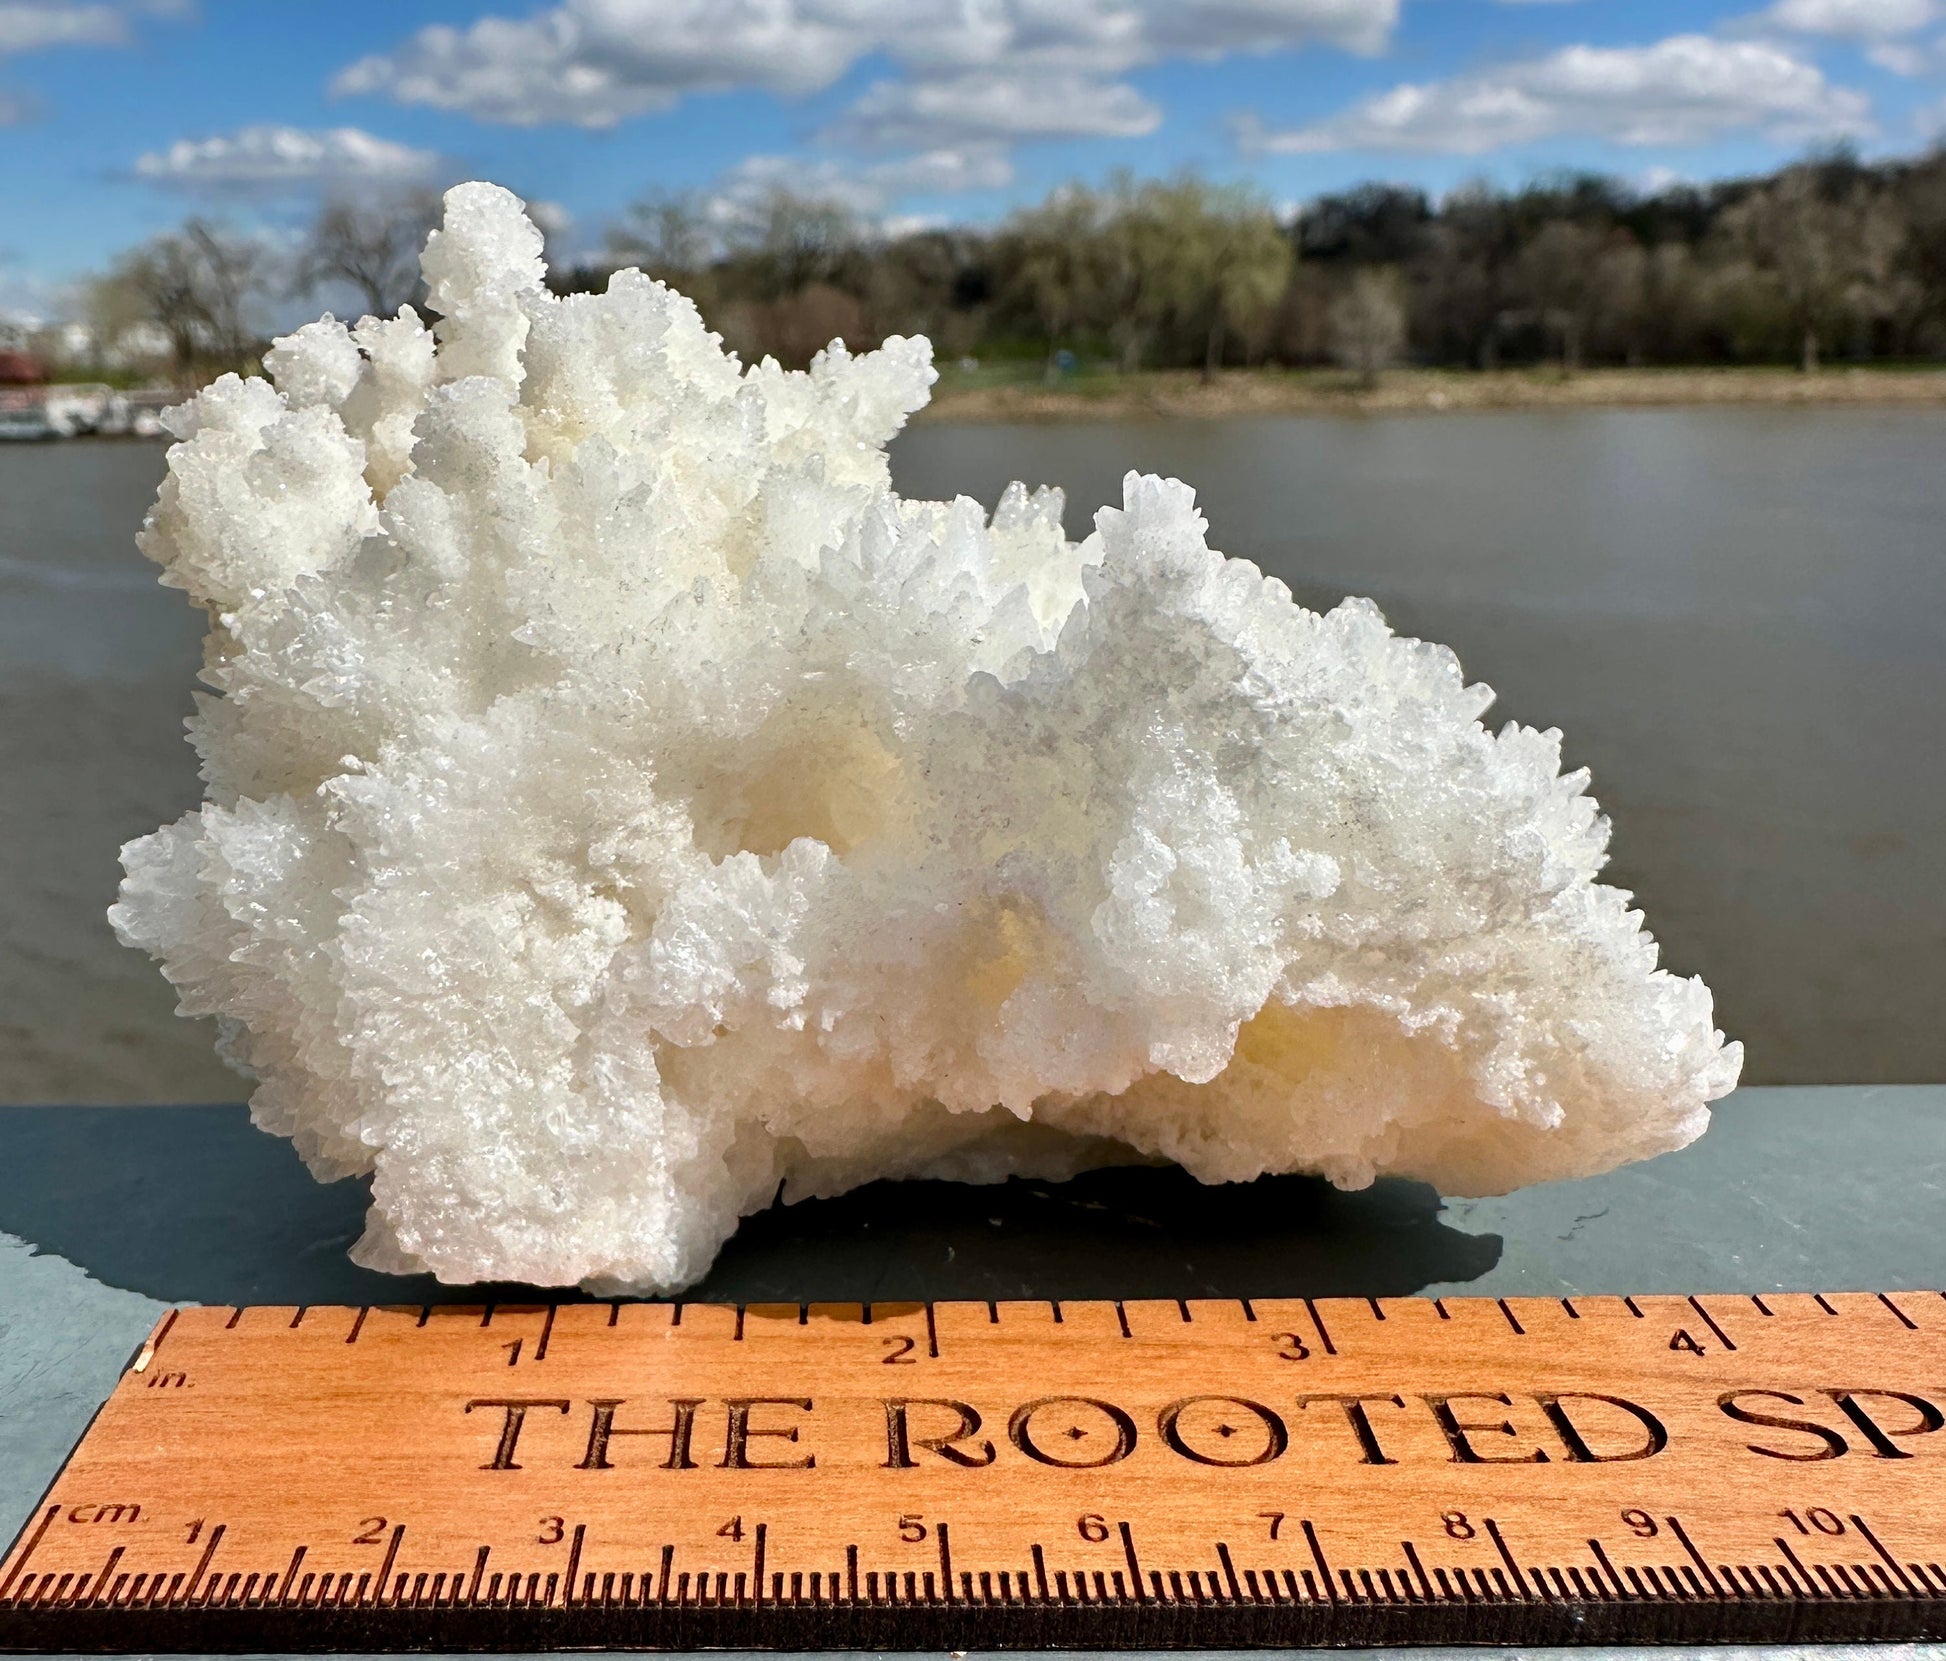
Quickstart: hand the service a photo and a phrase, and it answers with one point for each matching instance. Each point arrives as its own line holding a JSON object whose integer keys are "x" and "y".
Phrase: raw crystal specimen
{"x": 622, "y": 808}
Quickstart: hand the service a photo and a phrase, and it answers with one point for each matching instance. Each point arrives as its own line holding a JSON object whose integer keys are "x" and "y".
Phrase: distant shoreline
{"x": 1180, "y": 393}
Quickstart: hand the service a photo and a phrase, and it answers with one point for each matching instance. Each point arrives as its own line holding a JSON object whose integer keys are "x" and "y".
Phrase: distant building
{"x": 20, "y": 368}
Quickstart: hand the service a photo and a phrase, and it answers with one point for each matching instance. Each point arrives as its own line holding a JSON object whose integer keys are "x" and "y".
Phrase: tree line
{"x": 1831, "y": 257}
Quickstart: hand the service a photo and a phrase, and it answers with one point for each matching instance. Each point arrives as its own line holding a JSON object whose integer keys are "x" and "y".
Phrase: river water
{"x": 1738, "y": 617}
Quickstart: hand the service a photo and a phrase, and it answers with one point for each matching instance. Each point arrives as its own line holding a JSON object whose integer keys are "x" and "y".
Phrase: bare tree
{"x": 1141, "y": 262}
{"x": 1619, "y": 312}
{"x": 786, "y": 242}
{"x": 1366, "y": 324}
{"x": 373, "y": 245}
{"x": 1805, "y": 237}
{"x": 1059, "y": 263}
{"x": 1923, "y": 199}
{"x": 197, "y": 284}
{"x": 1468, "y": 272}
{"x": 1232, "y": 260}
{"x": 114, "y": 309}
{"x": 937, "y": 283}
{"x": 1882, "y": 296}
{"x": 1556, "y": 275}
{"x": 668, "y": 235}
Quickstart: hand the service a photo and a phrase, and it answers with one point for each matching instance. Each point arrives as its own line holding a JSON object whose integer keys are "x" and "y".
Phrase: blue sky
{"x": 120, "y": 117}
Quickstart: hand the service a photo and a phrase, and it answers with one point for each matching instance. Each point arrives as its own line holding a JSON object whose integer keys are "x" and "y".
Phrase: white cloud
{"x": 1900, "y": 57}
{"x": 866, "y": 190}
{"x": 593, "y": 63}
{"x": 1682, "y": 90}
{"x": 984, "y": 107}
{"x": 972, "y": 76}
{"x": 270, "y": 160}
{"x": 33, "y": 25}
{"x": 944, "y": 172}
{"x": 1852, "y": 19}
{"x": 551, "y": 219}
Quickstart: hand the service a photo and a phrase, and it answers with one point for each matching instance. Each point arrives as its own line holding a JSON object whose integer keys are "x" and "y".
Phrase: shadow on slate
{"x": 194, "y": 1205}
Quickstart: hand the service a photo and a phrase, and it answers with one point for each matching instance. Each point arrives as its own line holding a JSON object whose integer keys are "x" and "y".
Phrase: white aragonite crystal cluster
{"x": 623, "y": 808}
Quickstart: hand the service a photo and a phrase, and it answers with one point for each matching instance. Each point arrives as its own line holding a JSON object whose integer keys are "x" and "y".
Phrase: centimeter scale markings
{"x": 964, "y": 1475}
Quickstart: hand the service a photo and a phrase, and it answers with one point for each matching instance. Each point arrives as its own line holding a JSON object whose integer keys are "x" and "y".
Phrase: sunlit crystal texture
{"x": 621, "y": 805}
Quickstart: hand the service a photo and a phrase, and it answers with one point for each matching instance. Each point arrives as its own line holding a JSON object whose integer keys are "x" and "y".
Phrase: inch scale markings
{"x": 962, "y": 1475}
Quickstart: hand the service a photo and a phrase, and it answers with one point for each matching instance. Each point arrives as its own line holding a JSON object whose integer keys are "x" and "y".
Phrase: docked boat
{"x": 23, "y": 414}
{"x": 77, "y": 410}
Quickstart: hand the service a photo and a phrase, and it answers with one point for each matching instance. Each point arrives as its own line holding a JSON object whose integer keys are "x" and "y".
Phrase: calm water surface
{"x": 1737, "y": 617}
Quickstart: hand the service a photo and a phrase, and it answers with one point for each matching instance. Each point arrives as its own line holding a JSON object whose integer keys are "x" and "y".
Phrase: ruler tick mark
{"x": 1689, "y": 1545}
{"x": 1905, "y": 1320}
{"x": 202, "y": 1563}
{"x": 1229, "y": 1571}
{"x": 1317, "y": 1321}
{"x": 102, "y": 1579}
{"x": 33, "y": 1541}
{"x": 1878, "y": 1546}
{"x": 1709, "y": 1321}
{"x": 1134, "y": 1566}
{"x": 1506, "y": 1556}
{"x": 1317, "y": 1555}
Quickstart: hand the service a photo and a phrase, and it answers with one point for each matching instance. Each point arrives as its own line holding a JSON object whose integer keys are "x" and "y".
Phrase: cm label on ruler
{"x": 1652, "y": 1447}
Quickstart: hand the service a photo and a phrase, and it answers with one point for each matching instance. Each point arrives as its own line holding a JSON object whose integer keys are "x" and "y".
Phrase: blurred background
{"x": 1605, "y": 343}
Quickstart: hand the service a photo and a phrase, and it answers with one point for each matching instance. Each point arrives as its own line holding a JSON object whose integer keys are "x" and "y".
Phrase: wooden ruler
{"x": 972, "y": 1475}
